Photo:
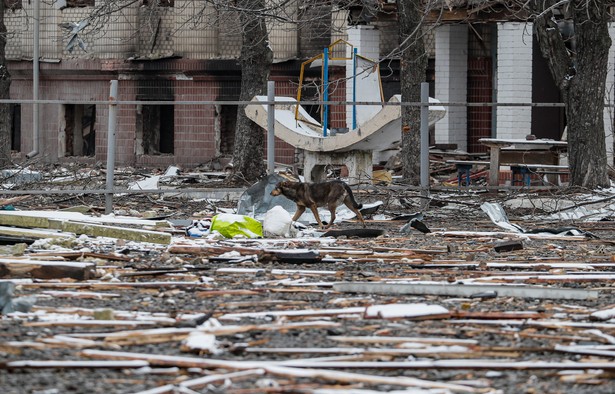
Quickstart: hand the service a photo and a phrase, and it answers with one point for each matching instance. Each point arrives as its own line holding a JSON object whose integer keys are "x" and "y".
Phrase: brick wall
{"x": 195, "y": 125}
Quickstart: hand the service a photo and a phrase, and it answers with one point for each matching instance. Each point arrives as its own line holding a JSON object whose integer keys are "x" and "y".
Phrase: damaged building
{"x": 181, "y": 55}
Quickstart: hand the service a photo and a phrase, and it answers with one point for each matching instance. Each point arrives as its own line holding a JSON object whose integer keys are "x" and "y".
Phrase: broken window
{"x": 13, "y": 5}
{"x": 79, "y": 3}
{"x": 155, "y": 129}
{"x": 160, "y": 3}
{"x": 16, "y": 128}
{"x": 79, "y": 130}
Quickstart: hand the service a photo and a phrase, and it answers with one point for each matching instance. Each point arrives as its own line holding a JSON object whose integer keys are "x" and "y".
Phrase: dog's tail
{"x": 354, "y": 202}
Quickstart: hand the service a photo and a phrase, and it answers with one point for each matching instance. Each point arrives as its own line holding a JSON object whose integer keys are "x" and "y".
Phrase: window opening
{"x": 160, "y": 3}
{"x": 79, "y": 3}
{"x": 155, "y": 127}
{"x": 79, "y": 130}
{"x": 16, "y": 128}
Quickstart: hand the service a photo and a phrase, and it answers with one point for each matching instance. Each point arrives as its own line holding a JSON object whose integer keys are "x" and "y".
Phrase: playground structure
{"x": 372, "y": 128}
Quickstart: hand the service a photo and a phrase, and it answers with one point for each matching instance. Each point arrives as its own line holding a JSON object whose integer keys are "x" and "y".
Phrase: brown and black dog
{"x": 323, "y": 194}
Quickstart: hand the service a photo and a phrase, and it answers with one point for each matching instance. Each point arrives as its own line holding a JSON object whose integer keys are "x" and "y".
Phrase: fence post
{"x": 111, "y": 146}
{"x": 425, "y": 137}
{"x": 271, "y": 127}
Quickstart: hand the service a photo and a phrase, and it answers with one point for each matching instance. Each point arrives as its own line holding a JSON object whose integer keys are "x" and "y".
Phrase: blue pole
{"x": 325, "y": 95}
{"x": 354, "y": 88}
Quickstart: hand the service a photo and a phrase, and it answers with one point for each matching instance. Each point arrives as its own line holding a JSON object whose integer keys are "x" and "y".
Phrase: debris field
{"x": 467, "y": 302}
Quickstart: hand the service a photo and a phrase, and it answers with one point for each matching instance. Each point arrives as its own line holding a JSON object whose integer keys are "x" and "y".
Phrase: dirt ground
{"x": 266, "y": 311}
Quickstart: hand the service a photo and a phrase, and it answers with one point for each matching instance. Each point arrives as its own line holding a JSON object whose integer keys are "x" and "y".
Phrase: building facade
{"x": 181, "y": 56}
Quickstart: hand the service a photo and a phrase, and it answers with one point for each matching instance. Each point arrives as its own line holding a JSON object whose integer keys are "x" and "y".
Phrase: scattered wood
{"x": 277, "y": 368}
{"x": 201, "y": 382}
{"x": 243, "y": 296}
{"x": 177, "y": 334}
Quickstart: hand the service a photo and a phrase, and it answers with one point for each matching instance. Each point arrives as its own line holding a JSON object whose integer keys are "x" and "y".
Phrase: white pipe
{"x": 425, "y": 137}
{"x": 271, "y": 128}
{"x": 111, "y": 146}
{"x": 35, "y": 81}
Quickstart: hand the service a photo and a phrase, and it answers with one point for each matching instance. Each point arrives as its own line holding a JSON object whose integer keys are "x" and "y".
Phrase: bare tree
{"x": 413, "y": 61}
{"x": 5, "y": 84}
{"x": 255, "y": 59}
{"x": 574, "y": 38}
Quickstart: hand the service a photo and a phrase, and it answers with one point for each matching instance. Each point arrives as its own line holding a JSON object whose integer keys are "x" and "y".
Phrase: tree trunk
{"x": 6, "y": 115}
{"x": 256, "y": 58}
{"x": 580, "y": 74}
{"x": 413, "y": 66}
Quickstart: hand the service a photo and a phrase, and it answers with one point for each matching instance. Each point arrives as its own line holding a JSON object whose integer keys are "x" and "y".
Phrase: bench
{"x": 525, "y": 170}
{"x": 464, "y": 167}
{"x": 521, "y": 172}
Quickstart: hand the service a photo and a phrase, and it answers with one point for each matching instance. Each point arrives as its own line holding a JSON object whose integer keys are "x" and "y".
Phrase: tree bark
{"x": 413, "y": 67}
{"x": 580, "y": 74}
{"x": 255, "y": 59}
{"x": 6, "y": 115}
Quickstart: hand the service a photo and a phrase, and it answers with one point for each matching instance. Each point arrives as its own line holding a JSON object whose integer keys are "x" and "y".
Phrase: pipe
{"x": 425, "y": 137}
{"x": 35, "y": 81}
{"x": 271, "y": 127}
{"x": 111, "y": 146}
{"x": 325, "y": 90}
{"x": 354, "y": 88}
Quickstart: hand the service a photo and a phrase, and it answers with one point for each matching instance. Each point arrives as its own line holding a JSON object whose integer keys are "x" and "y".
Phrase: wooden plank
{"x": 466, "y": 290}
{"x": 73, "y": 364}
{"x": 472, "y": 364}
{"x": 46, "y": 269}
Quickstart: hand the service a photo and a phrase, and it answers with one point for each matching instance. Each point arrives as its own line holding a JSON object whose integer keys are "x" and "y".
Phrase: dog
{"x": 323, "y": 194}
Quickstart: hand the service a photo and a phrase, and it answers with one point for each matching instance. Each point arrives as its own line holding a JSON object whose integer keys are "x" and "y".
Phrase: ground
{"x": 265, "y": 310}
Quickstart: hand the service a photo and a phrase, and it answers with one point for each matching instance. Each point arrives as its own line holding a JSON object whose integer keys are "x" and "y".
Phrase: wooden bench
{"x": 464, "y": 167}
{"x": 525, "y": 170}
{"x": 521, "y": 172}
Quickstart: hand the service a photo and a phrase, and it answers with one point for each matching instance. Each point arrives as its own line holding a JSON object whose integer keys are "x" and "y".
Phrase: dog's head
{"x": 278, "y": 188}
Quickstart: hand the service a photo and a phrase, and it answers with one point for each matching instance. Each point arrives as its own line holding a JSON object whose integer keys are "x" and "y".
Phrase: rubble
{"x": 461, "y": 308}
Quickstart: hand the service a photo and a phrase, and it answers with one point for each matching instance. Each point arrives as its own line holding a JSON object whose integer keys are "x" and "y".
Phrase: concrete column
{"x": 366, "y": 39}
{"x": 451, "y": 83}
{"x": 514, "y": 79}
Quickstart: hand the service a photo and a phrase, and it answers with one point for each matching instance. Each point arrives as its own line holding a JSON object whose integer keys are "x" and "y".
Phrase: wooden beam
{"x": 10, "y": 268}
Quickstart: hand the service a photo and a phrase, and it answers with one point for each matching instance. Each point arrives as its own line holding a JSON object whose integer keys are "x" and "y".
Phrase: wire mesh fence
{"x": 180, "y": 81}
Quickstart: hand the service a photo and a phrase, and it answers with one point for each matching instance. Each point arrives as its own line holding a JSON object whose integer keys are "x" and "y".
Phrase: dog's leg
{"x": 332, "y": 208}
{"x": 314, "y": 209}
{"x": 300, "y": 210}
{"x": 355, "y": 210}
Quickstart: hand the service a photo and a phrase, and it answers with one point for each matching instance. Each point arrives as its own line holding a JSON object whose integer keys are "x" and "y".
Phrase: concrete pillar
{"x": 514, "y": 79}
{"x": 358, "y": 162}
{"x": 451, "y": 83}
{"x": 366, "y": 39}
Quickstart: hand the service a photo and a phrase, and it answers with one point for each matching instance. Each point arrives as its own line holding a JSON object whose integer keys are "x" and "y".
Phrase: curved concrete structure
{"x": 354, "y": 149}
{"x": 381, "y": 132}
